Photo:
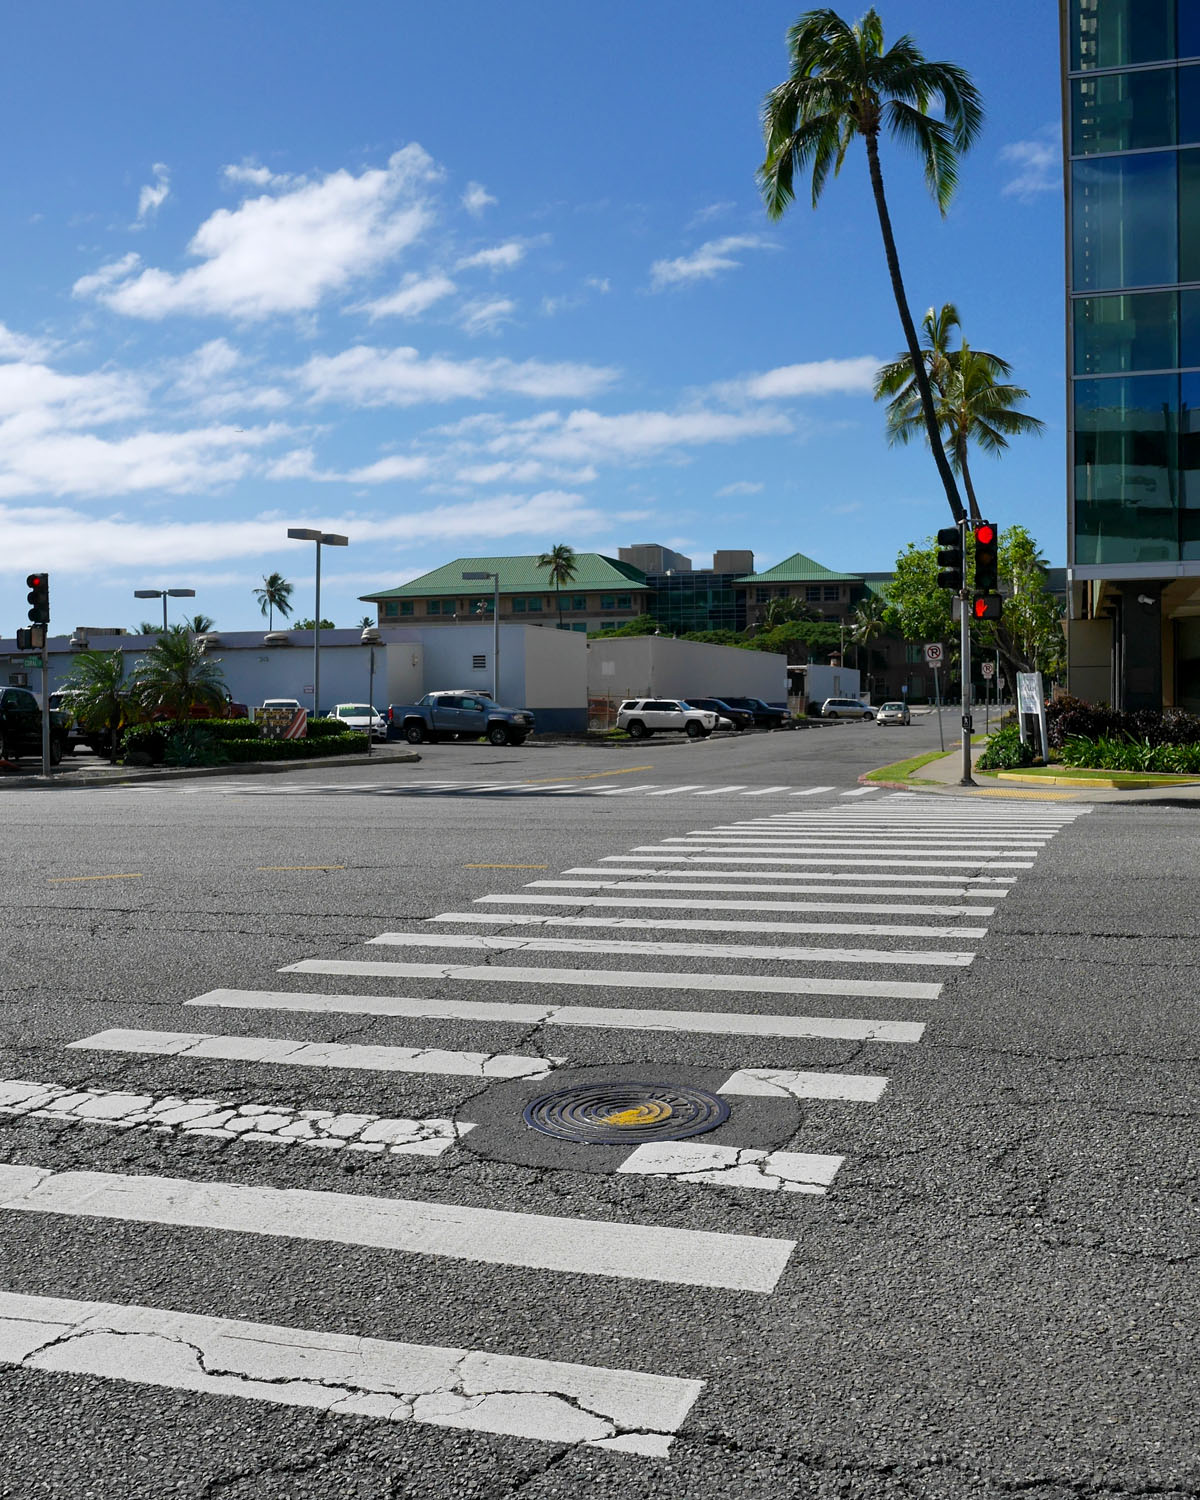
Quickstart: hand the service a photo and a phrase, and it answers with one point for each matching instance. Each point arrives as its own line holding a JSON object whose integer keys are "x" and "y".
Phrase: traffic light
{"x": 950, "y": 558}
{"x": 986, "y": 607}
{"x": 39, "y": 598}
{"x": 987, "y": 562}
{"x": 24, "y": 640}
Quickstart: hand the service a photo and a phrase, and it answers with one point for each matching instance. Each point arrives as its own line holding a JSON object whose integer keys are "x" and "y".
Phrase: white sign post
{"x": 1031, "y": 700}
{"x": 933, "y": 658}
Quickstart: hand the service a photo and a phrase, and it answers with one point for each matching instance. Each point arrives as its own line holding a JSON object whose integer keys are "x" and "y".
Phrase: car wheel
{"x": 56, "y": 750}
{"x": 831, "y": 715}
{"x": 694, "y": 730}
{"x": 414, "y": 734}
{"x": 497, "y": 735}
{"x": 637, "y": 730}
{"x": 868, "y": 716}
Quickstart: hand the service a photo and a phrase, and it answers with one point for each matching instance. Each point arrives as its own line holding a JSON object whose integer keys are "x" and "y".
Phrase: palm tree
{"x": 782, "y": 611}
{"x": 175, "y": 674}
{"x": 200, "y": 624}
{"x": 97, "y": 700}
{"x": 148, "y": 627}
{"x": 562, "y": 563}
{"x": 972, "y": 396}
{"x": 367, "y": 622}
{"x": 275, "y": 594}
{"x": 843, "y": 85}
{"x": 868, "y": 620}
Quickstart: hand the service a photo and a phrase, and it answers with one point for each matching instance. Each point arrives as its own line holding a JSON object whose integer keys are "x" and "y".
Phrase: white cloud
{"x": 497, "y": 258}
{"x": 706, "y": 262}
{"x": 597, "y": 283}
{"x": 282, "y": 252}
{"x": 153, "y": 195}
{"x": 522, "y": 471}
{"x": 366, "y": 376}
{"x": 488, "y": 316}
{"x": 250, "y": 174}
{"x": 21, "y": 346}
{"x": 589, "y": 436}
{"x": 1036, "y": 165}
{"x": 740, "y": 487}
{"x": 301, "y": 463}
{"x": 476, "y": 199}
{"x": 415, "y": 294}
{"x": 819, "y": 377}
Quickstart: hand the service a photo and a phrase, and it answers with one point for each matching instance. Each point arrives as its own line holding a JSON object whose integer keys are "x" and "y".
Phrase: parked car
{"x": 21, "y": 726}
{"x": 730, "y": 717}
{"x": 642, "y": 717}
{"x": 447, "y": 716}
{"x": 846, "y": 708}
{"x": 292, "y": 703}
{"x": 62, "y": 703}
{"x": 766, "y": 715}
{"x": 893, "y": 713}
{"x": 359, "y": 716}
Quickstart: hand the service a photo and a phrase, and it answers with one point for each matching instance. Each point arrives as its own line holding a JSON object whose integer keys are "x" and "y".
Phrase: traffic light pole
{"x": 45, "y": 701}
{"x": 965, "y": 662}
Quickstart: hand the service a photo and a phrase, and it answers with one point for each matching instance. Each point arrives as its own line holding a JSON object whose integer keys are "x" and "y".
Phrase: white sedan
{"x": 359, "y": 716}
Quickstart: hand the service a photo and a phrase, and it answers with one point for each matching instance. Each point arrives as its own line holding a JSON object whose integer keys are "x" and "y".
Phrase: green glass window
{"x": 624, "y": 601}
{"x": 1125, "y": 333}
{"x": 579, "y": 625}
{"x": 406, "y": 606}
{"x": 1187, "y": 43}
{"x": 1125, "y": 221}
{"x": 1125, "y": 469}
{"x": 578, "y": 601}
{"x": 832, "y": 592}
{"x": 518, "y": 606}
{"x": 1187, "y": 92}
{"x": 1189, "y": 467}
{"x": 1123, "y": 111}
{"x": 1189, "y": 216}
{"x": 391, "y": 609}
{"x": 1115, "y": 33}
{"x": 535, "y": 606}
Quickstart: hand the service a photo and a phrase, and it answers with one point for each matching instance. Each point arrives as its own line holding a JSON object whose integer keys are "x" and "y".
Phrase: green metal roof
{"x": 517, "y": 575}
{"x": 799, "y": 569}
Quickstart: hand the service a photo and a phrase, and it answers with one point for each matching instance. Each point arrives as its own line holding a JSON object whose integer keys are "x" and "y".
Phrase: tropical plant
{"x": 311, "y": 624}
{"x": 367, "y": 622}
{"x": 784, "y": 611}
{"x": 275, "y": 594}
{"x": 973, "y": 398}
{"x": 842, "y": 85}
{"x": 148, "y": 627}
{"x": 870, "y": 618}
{"x": 200, "y": 624}
{"x": 97, "y": 701}
{"x": 563, "y": 565}
{"x": 175, "y": 675}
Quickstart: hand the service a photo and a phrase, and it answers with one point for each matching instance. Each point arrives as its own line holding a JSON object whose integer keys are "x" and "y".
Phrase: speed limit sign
{"x": 933, "y": 654}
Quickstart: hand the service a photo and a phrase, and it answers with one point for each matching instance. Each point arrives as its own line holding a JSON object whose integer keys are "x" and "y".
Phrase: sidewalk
{"x": 942, "y": 777}
{"x": 98, "y": 772}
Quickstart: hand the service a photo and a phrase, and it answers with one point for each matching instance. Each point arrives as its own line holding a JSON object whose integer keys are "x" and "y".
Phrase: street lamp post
{"x": 164, "y": 595}
{"x": 371, "y": 637}
{"x": 495, "y": 577}
{"x": 328, "y": 539}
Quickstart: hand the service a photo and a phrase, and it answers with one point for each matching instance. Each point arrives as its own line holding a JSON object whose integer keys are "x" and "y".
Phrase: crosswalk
{"x": 590, "y": 786}
{"x": 763, "y": 932}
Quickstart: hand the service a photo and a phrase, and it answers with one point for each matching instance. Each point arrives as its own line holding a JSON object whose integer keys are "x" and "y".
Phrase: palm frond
{"x": 931, "y": 139}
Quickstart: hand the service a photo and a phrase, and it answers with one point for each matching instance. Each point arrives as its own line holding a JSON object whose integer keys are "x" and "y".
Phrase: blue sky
{"x": 478, "y": 279}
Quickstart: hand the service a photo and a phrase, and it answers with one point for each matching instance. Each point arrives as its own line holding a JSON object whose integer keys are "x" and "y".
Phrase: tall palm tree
{"x": 842, "y": 85}
{"x": 275, "y": 594}
{"x": 175, "y": 674}
{"x": 96, "y": 698}
{"x": 974, "y": 400}
{"x": 563, "y": 566}
{"x": 148, "y": 627}
{"x": 868, "y": 620}
{"x": 200, "y": 624}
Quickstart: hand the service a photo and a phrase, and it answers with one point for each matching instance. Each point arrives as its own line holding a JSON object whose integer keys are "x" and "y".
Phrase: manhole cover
{"x": 619, "y": 1113}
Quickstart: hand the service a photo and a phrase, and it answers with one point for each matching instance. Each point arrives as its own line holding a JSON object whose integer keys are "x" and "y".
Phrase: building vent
{"x": 479, "y": 663}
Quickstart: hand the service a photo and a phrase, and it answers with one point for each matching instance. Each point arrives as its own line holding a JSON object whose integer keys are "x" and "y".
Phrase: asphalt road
{"x": 992, "y": 1292}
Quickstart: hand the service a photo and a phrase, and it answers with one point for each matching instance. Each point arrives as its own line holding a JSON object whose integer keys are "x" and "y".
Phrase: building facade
{"x": 1131, "y": 75}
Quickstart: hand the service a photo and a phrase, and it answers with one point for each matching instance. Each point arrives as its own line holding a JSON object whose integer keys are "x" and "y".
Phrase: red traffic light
{"x": 985, "y": 533}
{"x": 35, "y": 581}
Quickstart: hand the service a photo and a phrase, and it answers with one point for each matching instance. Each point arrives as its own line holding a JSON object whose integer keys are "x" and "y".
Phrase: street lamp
{"x": 495, "y": 577}
{"x": 164, "y": 595}
{"x": 328, "y": 539}
{"x": 371, "y": 637}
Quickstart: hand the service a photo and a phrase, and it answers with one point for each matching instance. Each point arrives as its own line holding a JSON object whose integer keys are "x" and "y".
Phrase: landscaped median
{"x": 217, "y": 742}
{"x": 903, "y": 770}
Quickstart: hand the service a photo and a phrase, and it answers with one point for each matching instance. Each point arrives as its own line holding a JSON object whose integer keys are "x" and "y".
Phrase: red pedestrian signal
{"x": 986, "y": 607}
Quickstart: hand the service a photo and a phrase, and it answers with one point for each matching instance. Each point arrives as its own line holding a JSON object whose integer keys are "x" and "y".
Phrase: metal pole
{"x": 371, "y": 702}
{"x": 164, "y": 599}
{"x": 965, "y": 661}
{"x": 496, "y": 640}
{"x": 45, "y": 700}
{"x": 937, "y": 697}
{"x": 317, "y": 641}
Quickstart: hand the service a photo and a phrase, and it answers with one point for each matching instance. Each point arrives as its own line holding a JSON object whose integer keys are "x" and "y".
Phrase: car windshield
{"x": 354, "y": 711}
{"x": 892, "y": 708}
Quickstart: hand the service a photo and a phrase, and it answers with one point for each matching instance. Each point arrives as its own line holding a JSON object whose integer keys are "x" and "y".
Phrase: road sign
{"x": 988, "y": 669}
{"x": 933, "y": 654}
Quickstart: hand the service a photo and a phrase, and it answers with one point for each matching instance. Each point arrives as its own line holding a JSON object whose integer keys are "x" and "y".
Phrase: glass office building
{"x": 1132, "y": 113}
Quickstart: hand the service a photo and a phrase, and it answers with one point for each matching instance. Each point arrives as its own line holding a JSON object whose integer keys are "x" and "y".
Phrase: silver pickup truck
{"x": 466, "y": 715}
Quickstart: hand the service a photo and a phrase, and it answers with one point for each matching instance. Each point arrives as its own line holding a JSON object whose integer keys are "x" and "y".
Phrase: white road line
{"x": 583, "y": 1247}
{"x": 669, "y": 791}
{"x": 293, "y": 1053}
{"x": 725, "y": 924}
{"x": 477, "y": 942}
{"x": 779, "y": 1083}
{"x": 714, "y": 791}
{"x": 681, "y": 872}
{"x": 831, "y": 843}
{"x": 861, "y": 791}
{"x": 710, "y": 1023}
{"x": 476, "y": 1390}
{"x": 810, "y": 791}
{"x": 984, "y": 862}
{"x": 666, "y": 903}
{"x": 765, "y": 791}
{"x": 618, "y": 979}
{"x": 280, "y": 1125}
{"x": 734, "y": 1166}
{"x": 624, "y": 791}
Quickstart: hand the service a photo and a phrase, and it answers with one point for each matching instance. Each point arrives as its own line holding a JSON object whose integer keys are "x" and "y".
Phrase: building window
{"x": 479, "y": 662}
{"x": 579, "y": 625}
{"x": 535, "y": 606}
{"x": 813, "y": 593}
{"x": 391, "y": 608}
{"x": 624, "y": 601}
{"x": 433, "y": 606}
{"x": 579, "y": 601}
{"x": 1115, "y": 335}
{"x": 1115, "y": 33}
{"x": 761, "y": 596}
{"x": 1126, "y": 111}
{"x": 518, "y": 606}
{"x": 608, "y": 602}
{"x": 1124, "y": 457}
{"x": 1126, "y": 221}
{"x": 831, "y": 592}
{"x": 406, "y": 606}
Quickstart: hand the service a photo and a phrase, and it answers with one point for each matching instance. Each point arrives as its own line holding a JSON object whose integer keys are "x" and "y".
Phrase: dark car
{"x": 21, "y": 726}
{"x": 740, "y": 718}
{"x": 766, "y": 715}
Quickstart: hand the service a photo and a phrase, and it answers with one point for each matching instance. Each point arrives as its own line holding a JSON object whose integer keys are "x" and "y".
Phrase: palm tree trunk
{"x": 558, "y": 600}
{"x": 270, "y": 615}
{"x": 965, "y": 470}
{"x": 910, "y": 333}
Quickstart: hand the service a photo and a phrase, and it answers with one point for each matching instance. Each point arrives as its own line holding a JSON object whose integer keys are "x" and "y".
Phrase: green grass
{"x": 902, "y": 770}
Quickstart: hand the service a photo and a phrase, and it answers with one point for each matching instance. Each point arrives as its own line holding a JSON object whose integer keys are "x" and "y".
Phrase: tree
{"x": 972, "y": 397}
{"x": 175, "y": 675}
{"x": 148, "y": 627}
{"x": 366, "y": 622}
{"x": 842, "y": 85}
{"x": 562, "y": 565}
{"x": 200, "y": 624}
{"x": 868, "y": 620}
{"x": 781, "y": 611}
{"x": 310, "y": 624}
{"x": 275, "y": 594}
{"x": 98, "y": 702}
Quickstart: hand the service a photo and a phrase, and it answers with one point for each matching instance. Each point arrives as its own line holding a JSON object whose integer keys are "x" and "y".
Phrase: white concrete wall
{"x": 556, "y": 663}
{"x": 653, "y": 666}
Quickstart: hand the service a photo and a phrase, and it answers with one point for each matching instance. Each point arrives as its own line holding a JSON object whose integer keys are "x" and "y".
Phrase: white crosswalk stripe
{"x": 669, "y": 904}
{"x": 671, "y": 924}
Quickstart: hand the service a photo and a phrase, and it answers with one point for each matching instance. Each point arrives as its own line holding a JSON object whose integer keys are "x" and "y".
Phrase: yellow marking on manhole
{"x": 300, "y": 867}
{"x": 640, "y": 1114}
{"x": 65, "y": 879}
{"x": 506, "y": 867}
{"x": 590, "y": 776}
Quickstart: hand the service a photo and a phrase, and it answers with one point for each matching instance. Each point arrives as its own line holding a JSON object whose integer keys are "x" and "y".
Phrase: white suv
{"x": 643, "y": 717}
{"x": 846, "y": 708}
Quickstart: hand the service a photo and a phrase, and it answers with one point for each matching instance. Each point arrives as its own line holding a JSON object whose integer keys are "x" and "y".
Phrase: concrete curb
{"x": 126, "y": 775}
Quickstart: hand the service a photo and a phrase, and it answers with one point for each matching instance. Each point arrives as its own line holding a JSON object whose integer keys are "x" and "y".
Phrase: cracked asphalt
{"x": 997, "y": 1296}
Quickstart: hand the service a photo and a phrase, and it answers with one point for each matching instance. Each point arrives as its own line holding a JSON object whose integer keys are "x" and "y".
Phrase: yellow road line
{"x": 300, "y": 867}
{"x": 591, "y": 775}
{"x": 506, "y": 867}
{"x": 65, "y": 879}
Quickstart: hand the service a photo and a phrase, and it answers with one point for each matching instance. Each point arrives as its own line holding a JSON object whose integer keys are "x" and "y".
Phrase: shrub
{"x": 1073, "y": 718}
{"x": 1005, "y": 752}
{"x": 1116, "y": 753}
{"x": 228, "y": 729}
{"x": 319, "y": 729}
{"x": 346, "y": 743}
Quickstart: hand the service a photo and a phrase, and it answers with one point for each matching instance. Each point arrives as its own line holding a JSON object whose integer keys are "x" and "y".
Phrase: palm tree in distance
{"x": 200, "y": 624}
{"x": 868, "y": 620}
{"x": 275, "y": 594}
{"x": 973, "y": 398}
{"x": 148, "y": 627}
{"x": 562, "y": 563}
{"x": 842, "y": 85}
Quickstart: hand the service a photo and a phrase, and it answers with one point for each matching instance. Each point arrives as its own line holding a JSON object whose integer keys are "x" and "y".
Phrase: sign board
{"x": 1031, "y": 701}
{"x": 282, "y": 723}
{"x": 307, "y": 688}
{"x": 988, "y": 668}
{"x": 933, "y": 654}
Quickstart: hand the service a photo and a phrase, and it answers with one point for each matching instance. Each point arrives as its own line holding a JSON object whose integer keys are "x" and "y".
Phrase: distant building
{"x": 649, "y": 557}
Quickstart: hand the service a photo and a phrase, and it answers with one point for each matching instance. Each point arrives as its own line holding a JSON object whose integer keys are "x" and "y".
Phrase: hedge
{"x": 224, "y": 741}
{"x": 1110, "y": 753}
{"x": 329, "y": 744}
{"x": 1005, "y": 752}
{"x": 1074, "y": 718}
